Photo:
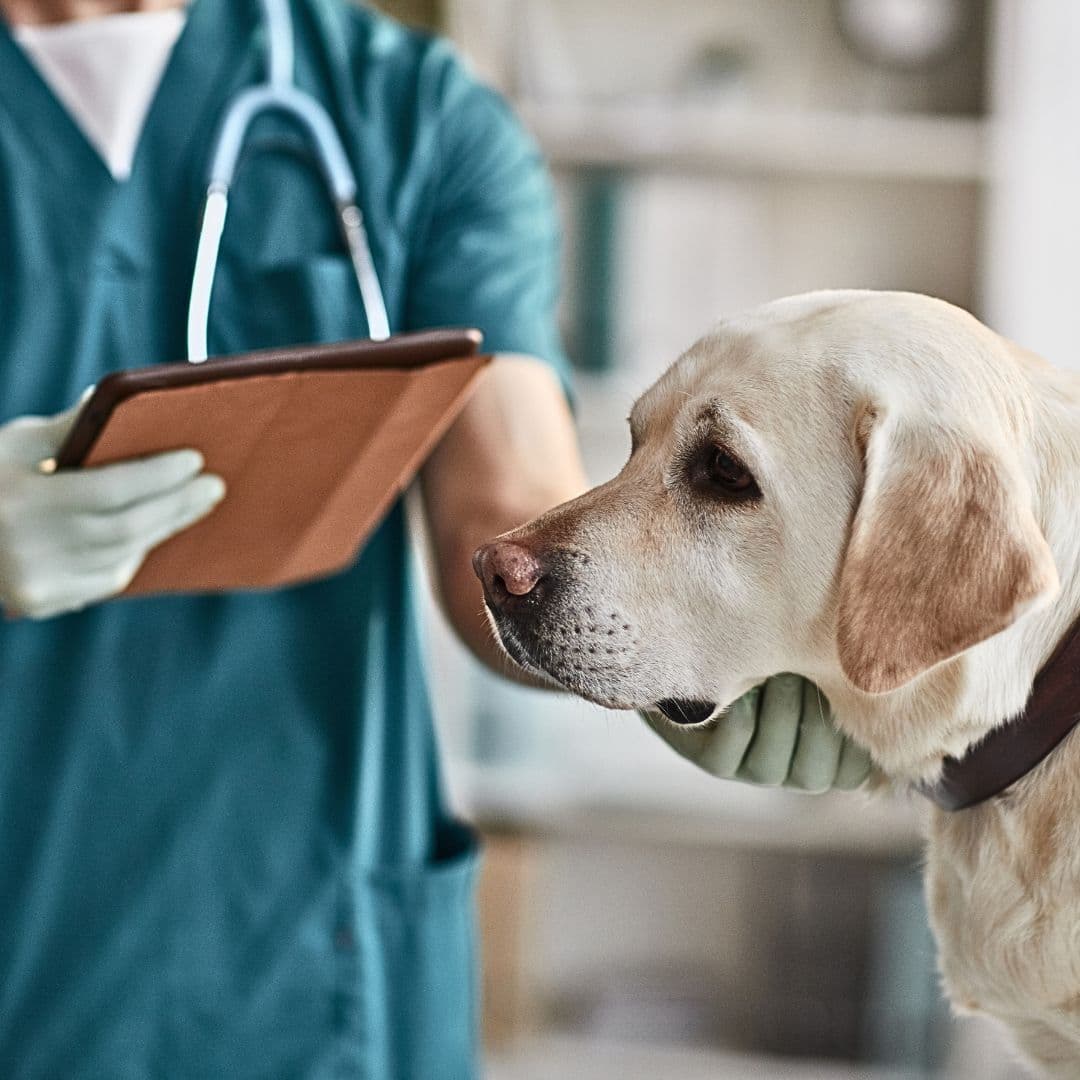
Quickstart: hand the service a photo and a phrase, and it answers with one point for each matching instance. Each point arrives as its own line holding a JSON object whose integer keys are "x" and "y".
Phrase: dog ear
{"x": 944, "y": 552}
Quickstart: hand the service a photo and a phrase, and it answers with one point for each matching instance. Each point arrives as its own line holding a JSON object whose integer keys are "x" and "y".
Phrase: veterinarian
{"x": 223, "y": 846}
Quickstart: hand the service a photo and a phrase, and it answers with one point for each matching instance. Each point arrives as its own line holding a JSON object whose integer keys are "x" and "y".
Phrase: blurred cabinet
{"x": 754, "y": 152}
{"x": 759, "y": 152}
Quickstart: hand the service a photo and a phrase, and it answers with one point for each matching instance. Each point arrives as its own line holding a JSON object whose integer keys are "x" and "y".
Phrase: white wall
{"x": 1032, "y": 252}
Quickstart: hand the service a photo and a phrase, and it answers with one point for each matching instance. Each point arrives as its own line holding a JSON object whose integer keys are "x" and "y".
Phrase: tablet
{"x": 403, "y": 351}
{"x": 315, "y": 444}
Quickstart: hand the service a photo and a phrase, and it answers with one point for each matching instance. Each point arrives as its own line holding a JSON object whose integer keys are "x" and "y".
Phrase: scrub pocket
{"x": 417, "y": 953}
{"x": 302, "y": 302}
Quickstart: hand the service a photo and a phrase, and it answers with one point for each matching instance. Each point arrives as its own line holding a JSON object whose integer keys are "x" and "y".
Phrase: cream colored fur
{"x": 915, "y": 552}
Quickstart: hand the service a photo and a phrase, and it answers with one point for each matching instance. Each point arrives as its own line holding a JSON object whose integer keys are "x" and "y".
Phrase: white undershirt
{"x": 105, "y": 71}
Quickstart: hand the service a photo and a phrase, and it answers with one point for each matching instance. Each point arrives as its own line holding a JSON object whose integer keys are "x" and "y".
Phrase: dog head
{"x": 833, "y": 484}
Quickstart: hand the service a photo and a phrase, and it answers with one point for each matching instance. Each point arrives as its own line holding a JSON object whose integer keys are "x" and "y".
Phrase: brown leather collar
{"x": 1012, "y": 751}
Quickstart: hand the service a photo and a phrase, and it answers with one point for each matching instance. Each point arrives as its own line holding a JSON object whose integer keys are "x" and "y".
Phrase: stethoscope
{"x": 279, "y": 92}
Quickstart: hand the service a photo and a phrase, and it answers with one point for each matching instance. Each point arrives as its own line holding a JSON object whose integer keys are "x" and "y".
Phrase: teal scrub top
{"x": 223, "y": 849}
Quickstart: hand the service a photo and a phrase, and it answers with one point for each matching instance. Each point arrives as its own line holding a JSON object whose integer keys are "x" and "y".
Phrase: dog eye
{"x": 722, "y": 473}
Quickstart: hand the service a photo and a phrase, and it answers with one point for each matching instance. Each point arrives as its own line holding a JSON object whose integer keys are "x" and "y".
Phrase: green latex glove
{"x": 74, "y": 538}
{"x": 780, "y": 734}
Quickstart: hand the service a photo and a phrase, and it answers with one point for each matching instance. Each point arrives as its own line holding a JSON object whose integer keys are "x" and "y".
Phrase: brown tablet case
{"x": 314, "y": 445}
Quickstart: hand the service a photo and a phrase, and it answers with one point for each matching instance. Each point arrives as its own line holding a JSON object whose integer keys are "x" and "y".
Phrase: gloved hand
{"x": 72, "y": 538}
{"x": 779, "y": 734}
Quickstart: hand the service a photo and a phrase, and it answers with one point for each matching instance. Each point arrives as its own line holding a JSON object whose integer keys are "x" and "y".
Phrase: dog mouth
{"x": 686, "y": 713}
{"x": 517, "y": 651}
{"x": 552, "y": 664}
{"x": 520, "y": 653}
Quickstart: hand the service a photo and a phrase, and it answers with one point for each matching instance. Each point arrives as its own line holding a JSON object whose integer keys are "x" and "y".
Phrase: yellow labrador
{"x": 875, "y": 491}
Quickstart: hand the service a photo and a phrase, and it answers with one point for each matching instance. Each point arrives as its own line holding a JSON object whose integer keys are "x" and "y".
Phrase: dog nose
{"x": 507, "y": 569}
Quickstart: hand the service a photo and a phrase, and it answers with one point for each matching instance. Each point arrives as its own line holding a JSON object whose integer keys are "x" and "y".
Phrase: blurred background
{"x": 640, "y": 920}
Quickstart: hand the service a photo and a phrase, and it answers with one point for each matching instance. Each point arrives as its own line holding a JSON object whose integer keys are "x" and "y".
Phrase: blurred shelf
{"x": 588, "y": 1059}
{"x": 646, "y": 135}
{"x": 694, "y": 810}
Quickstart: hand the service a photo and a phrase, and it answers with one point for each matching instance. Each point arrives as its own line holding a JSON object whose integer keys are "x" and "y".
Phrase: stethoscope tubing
{"x": 279, "y": 93}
